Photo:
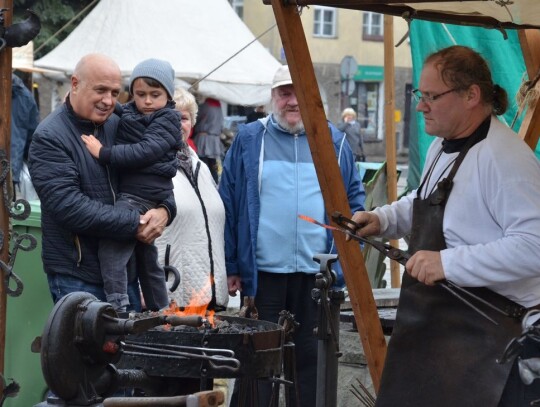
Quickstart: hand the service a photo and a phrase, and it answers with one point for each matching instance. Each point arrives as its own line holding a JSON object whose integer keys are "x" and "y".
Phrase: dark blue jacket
{"x": 24, "y": 120}
{"x": 77, "y": 194}
{"x": 145, "y": 151}
{"x": 239, "y": 190}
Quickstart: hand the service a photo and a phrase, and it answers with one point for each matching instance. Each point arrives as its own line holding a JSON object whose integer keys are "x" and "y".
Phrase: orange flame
{"x": 191, "y": 308}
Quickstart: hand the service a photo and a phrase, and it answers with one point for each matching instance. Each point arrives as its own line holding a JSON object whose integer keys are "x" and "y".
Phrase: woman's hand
{"x": 234, "y": 283}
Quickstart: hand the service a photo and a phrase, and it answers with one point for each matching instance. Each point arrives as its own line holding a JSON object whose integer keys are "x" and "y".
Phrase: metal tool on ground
{"x": 328, "y": 304}
{"x": 349, "y": 227}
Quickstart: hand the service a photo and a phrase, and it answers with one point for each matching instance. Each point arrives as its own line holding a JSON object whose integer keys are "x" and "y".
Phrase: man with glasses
{"x": 474, "y": 222}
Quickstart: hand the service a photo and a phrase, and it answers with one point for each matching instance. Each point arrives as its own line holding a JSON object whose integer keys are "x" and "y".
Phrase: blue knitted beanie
{"x": 156, "y": 69}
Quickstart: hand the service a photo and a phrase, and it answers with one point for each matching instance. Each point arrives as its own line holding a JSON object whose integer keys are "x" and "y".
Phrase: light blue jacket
{"x": 239, "y": 190}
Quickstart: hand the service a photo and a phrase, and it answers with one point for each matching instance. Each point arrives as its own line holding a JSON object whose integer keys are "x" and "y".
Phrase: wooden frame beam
{"x": 333, "y": 191}
{"x": 400, "y": 8}
{"x": 530, "y": 126}
{"x": 5, "y": 137}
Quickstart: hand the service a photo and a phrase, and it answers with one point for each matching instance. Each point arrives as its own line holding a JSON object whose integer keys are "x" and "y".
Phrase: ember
{"x": 192, "y": 309}
{"x": 219, "y": 327}
{"x": 188, "y": 311}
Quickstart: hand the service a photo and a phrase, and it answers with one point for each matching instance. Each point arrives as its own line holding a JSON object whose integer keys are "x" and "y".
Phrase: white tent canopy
{"x": 195, "y": 36}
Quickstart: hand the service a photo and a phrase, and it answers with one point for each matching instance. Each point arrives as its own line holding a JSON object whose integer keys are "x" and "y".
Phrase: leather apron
{"x": 443, "y": 353}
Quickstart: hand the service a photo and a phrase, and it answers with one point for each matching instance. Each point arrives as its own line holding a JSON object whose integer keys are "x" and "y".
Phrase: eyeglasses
{"x": 429, "y": 99}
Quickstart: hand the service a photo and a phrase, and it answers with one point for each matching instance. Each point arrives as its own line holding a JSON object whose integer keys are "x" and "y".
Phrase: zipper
{"x": 297, "y": 194}
{"x": 195, "y": 184}
{"x": 107, "y": 168}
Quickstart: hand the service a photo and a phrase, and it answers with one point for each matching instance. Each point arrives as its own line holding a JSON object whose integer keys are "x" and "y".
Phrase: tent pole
{"x": 5, "y": 126}
{"x": 530, "y": 126}
{"x": 390, "y": 131}
{"x": 330, "y": 181}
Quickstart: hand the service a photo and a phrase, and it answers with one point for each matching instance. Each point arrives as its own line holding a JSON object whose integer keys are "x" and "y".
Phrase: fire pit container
{"x": 256, "y": 344}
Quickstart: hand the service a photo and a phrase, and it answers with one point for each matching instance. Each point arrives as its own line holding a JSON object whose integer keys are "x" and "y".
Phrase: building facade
{"x": 347, "y": 51}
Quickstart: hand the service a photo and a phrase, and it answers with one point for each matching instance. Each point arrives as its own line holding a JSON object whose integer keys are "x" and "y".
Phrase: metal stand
{"x": 329, "y": 304}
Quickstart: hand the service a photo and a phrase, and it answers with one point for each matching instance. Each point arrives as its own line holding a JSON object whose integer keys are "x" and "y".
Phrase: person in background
{"x": 207, "y": 135}
{"x": 474, "y": 222}
{"x": 148, "y": 139}
{"x": 76, "y": 191}
{"x": 258, "y": 113}
{"x": 24, "y": 120}
{"x": 196, "y": 235}
{"x": 351, "y": 127}
{"x": 268, "y": 180}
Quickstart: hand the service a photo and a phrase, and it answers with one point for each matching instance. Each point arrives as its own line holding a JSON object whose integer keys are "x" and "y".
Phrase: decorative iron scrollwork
{"x": 19, "y": 210}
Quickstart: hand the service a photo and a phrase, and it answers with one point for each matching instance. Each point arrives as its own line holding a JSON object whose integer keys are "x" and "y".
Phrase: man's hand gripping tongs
{"x": 349, "y": 227}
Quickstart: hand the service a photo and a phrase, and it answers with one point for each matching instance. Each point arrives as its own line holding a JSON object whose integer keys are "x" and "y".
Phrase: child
{"x": 148, "y": 138}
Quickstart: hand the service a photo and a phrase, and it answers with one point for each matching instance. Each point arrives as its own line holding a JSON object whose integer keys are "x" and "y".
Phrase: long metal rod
{"x": 477, "y": 298}
{"x": 444, "y": 284}
{"x": 402, "y": 257}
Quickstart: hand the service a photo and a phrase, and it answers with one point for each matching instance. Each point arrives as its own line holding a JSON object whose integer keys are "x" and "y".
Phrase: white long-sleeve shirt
{"x": 492, "y": 217}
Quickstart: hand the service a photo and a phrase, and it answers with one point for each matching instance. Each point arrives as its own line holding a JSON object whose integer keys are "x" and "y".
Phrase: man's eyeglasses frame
{"x": 430, "y": 99}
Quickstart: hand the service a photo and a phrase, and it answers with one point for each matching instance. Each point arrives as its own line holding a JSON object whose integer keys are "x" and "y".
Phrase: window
{"x": 238, "y": 7}
{"x": 324, "y": 21}
{"x": 373, "y": 27}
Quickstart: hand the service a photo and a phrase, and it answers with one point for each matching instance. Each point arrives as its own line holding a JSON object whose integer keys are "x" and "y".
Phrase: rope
{"x": 526, "y": 94}
{"x": 228, "y": 59}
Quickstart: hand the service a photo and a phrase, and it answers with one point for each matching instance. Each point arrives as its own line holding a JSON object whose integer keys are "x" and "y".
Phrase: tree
{"x": 54, "y": 15}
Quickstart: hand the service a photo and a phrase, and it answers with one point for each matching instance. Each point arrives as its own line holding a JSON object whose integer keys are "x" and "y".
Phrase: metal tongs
{"x": 219, "y": 359}
{"x": 349, "y": 227}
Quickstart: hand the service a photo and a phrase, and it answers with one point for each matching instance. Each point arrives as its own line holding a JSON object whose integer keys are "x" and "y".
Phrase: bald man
{"x": 76, "y": 192}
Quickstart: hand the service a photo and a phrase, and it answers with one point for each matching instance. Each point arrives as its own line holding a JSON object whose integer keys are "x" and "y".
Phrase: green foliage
{"x": 54, "y": 14}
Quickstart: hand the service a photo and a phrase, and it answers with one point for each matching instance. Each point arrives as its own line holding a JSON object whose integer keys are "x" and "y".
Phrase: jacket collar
{"x": 84, "y": 123}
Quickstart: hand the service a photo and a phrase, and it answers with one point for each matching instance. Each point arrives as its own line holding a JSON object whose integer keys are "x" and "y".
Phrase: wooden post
{"x": 333, "y": 191}
{"x": 390, "y": 131}
{"x": 530, "y": 46}
{"x": 5, "y": 126}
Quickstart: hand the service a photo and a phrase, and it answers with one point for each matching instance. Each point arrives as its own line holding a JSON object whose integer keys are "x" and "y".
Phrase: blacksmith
{"x": 473, "y": 222}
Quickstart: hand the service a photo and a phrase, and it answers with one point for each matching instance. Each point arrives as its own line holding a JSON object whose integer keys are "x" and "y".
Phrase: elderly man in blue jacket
{"x": 77, "y": 192}
{"x": 268, "y": 180}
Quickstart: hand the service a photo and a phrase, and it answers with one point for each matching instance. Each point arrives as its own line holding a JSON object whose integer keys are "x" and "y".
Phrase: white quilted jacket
{"x": 189, "y": 242}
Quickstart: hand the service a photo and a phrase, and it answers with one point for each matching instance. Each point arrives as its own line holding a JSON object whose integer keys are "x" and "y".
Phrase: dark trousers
{"x": 292, "y": 292}
{"x": 114, "y": 256}
{"x": 516, "y": 393}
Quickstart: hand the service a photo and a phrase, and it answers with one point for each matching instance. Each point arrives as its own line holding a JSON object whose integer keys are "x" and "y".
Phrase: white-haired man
{"x": 269, "y": 179}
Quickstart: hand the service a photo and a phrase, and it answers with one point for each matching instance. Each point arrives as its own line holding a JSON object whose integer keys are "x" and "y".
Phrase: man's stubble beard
{"x": 280, "y": 119}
